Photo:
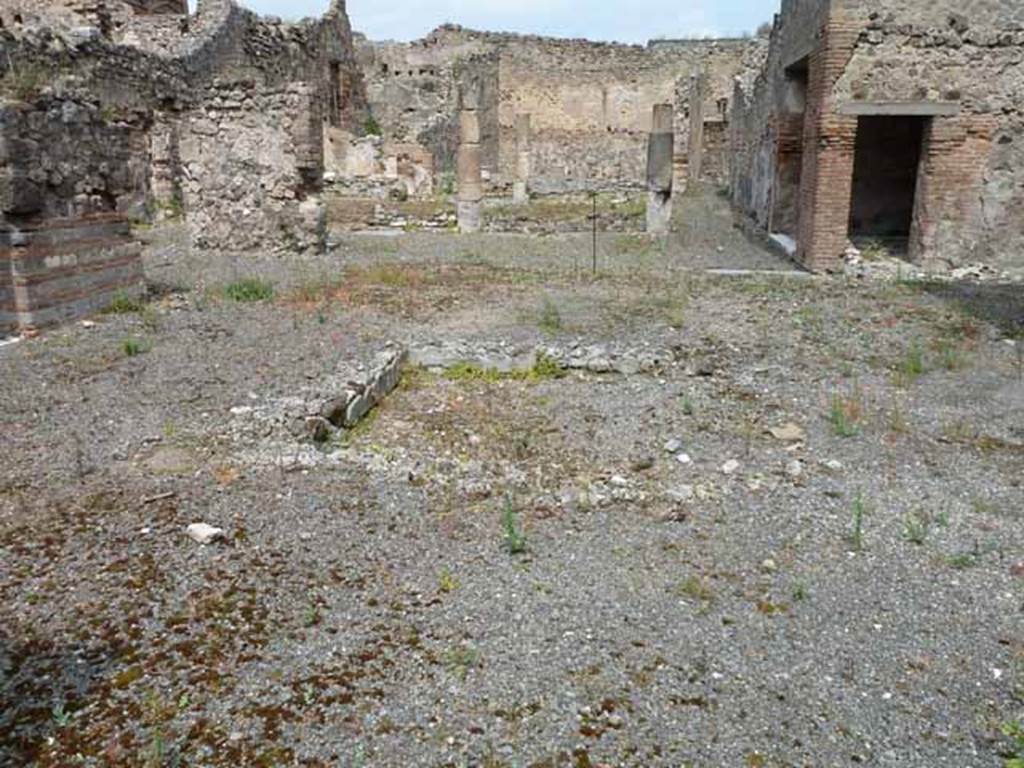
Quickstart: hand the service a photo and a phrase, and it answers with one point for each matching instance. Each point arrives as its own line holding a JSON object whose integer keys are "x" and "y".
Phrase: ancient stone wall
{"x": 225, "y": 113}
{"x": 240, "y": 134}
{"x": 971, "y": 194}
{"x": 71, "y": 177}
{"x": 590, "y": 103}
{"x": 951, "y": 68}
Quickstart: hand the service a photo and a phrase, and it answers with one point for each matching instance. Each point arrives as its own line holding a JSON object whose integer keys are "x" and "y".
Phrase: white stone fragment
{"x": 201, "y": 533}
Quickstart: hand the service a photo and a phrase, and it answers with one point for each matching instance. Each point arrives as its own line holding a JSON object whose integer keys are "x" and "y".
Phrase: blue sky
{"x": 623, "y": 20}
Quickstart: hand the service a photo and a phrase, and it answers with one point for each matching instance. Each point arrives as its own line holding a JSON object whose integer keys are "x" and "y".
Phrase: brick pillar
{"x": 695, "y": 150}
{"x": 521, "y": 186}
{"x": 826, "y": 181}
{"x": 954, "y": 155}
{"x": 60, "y": 269}
{"x": 660, "y": 149}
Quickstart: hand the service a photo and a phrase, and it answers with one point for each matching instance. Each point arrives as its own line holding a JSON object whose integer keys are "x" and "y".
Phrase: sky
{"x": 628, "y": 21}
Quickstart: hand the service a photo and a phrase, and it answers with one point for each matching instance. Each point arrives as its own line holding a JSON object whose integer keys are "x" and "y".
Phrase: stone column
{"x": 471, "y": 188}
{"x": 521, "y": 186}
{"x": 660, "y": 146}
{"x": 695, "y": 162}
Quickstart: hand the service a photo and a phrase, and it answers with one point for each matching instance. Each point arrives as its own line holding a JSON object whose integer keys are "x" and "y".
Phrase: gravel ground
{"x": 835, "y": 577}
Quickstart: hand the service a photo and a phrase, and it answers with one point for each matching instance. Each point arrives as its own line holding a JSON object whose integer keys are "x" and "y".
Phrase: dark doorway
{"x": 789, "y": 157}
{"x": 888, "y": 152}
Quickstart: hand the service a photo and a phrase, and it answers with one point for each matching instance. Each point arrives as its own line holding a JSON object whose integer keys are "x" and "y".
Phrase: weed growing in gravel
{"x": 315, "y": 290}
{"x": 393, "y": 276}
{"x": 123, "y": 304}
{"x": 545, "y": 367}
{"x": 687, "y": 406}
{"x": 951, "y": 356}
{"x": 550, "y": 318}
{"x": 846, "y": 412}
{"x": 982, "y": 506}
{"x": 249, "y": 290}
{"x": 309, "y": 695}
{"x": 311, "y": 616}
{"x": 157, "y": 755}
{"x": 857, "y": 530}
{"x": 696, "y": 588}
{"x": 415, "y": 377}
{"x": 133, "y": 347}
{"x": 61, "y": 717}
{"x": 349, "y": 436}
{"x": 963, "y": 560}
{"x": 446, "y": 582}
{"x": 912, "y": 366}
{"x": 915, "y": 528}
{"x": 800, "y": 592}
{"x": 461, "y": 659}
{"x": 897, "y": 421}
{"x": 515, "y": 539}
{"x": 1014, "y": 731}
{"x": 632, "y": 243}
{"x": 959, "y": 431}
{"x": 465, "y": 371}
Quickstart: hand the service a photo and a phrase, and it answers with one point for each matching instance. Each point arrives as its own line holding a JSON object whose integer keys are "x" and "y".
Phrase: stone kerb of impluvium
{"x": 358, "y": 395}
{"x": 660, "y": 150}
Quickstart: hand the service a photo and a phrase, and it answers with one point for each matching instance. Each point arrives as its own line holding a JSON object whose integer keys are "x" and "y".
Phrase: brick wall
{"x": 829, "y": 145}
{"x": 947, "y": 204}
{"x": 60, "y": 269}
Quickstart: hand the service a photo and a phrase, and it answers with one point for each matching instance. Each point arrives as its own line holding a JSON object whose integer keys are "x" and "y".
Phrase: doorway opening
{"x": 885, "y": 170}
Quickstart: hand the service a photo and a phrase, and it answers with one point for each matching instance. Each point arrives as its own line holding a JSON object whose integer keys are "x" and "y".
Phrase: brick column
{"x": 521, "y": 186}
{"x": 471, "y": 188}
{"x": 826, "y": 181}
{"x": 660, "y": 148}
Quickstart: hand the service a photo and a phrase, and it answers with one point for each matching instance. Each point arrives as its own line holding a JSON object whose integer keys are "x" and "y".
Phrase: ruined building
{"x": 858, "y": 123}
{"x": 114, "y": 111}
{"x": 588, "y": 106}
{"x": 887, "y": 121}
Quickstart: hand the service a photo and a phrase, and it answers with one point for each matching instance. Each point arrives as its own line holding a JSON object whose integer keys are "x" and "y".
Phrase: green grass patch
{"x": 133, "y": 347}
{"x": 249, "y": 290}
{"x": 124, "y": 304}
{"x": 544, "y": 368}
{"x": 1014, "y": 731}
{"x": 550, "y": 318}
{"x": 515, "y": 539}
{"x": 846, "y": 412}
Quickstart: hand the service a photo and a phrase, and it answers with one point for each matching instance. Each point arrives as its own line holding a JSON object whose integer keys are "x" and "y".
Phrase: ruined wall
{"x": 766, "y": 135}
{"x": 590, "y": 103}
{"x": 970, "y": 198}
{"x": 240, "y": 134}
{"x": 955, "y": 65}
{"x": 224, "y": 115}
{"x": 71, "y": 176}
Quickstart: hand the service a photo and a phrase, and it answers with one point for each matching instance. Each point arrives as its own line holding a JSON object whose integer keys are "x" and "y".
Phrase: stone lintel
{"x": 900, "y": 108}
